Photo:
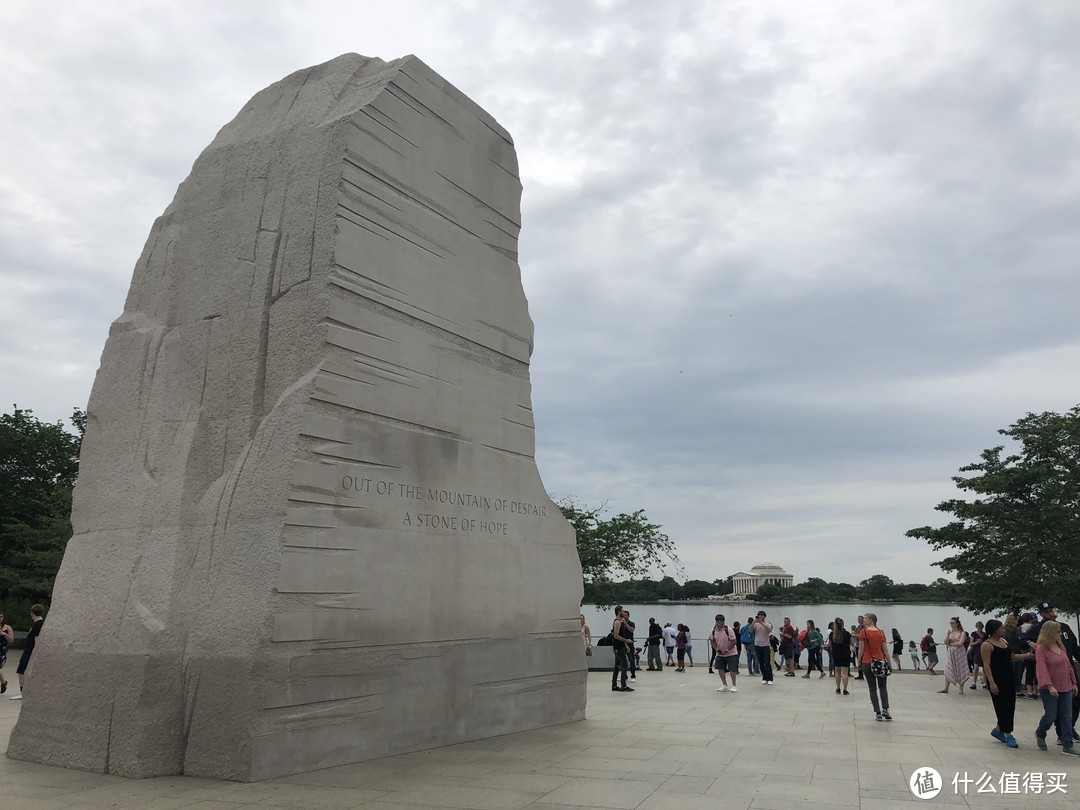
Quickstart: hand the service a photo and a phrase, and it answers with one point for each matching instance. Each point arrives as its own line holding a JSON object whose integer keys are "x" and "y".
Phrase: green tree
{"x": 877, "y": 588}
{"x": 625, "y": 543}
{"x": 724, "y": 586}
{"x": 698, "y": 589}
{"x": 39, "y": 463}
{"x": 1013, "y": 543}
{"x": 767, "y": 592}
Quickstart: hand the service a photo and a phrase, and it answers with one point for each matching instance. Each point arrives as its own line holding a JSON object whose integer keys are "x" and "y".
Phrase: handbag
{"x": 879, "y": 667}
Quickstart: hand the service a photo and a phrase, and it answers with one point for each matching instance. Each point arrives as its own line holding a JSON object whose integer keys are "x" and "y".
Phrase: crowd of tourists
{"x": 1031, "y": 655}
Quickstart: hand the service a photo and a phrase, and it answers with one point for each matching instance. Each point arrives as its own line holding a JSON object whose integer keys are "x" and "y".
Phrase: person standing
{"x": 956, "y": 666}
{"x": 897, "y": 648}
{"x": 737, "y": 630}
{"x": 814, "y": 642}
{"x": 998, "y": 657}
{"x": 1057, "y": 686}
{"x": 763, "y": 649}
{"x": 669, "y": 644}
{"x": 689, "y": 645}
{"x": 37, "y": 616}
{"x": 856, "y": 633}
{"x": 586, "y": 634}
{"x": 929, "y": 648}
{"x": 623, "y": 646}
{"x": 652, "y": 646}
{"x": 874, "y": 655}
{"x": 747, "y": 636}
{"x": 1072, "y": 649}
{"x": 974, "y": 655}
{"x": 787, "y": 647}
{"x": 914, "y": 652}
{"x": 630, "y": 628}
{"x": 7, "y": 636}
{"x": 828, "y": 649}
{"x": 724, "y": 647}
{"x": 840, "y": 641}
{"x": 680, "y": 648}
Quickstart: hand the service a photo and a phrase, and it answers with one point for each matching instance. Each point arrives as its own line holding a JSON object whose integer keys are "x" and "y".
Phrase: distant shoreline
{"x": 783, "y": 602}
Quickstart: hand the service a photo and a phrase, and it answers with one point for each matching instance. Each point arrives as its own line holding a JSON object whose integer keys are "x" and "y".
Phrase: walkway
{"x": 674, "y": 744}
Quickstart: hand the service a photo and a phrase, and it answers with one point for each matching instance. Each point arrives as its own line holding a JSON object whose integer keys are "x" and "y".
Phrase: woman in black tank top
{"x": 997, "y": 662}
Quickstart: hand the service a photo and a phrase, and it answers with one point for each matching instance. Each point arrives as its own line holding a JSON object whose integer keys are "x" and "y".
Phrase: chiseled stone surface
{"x": 309, "y": 528}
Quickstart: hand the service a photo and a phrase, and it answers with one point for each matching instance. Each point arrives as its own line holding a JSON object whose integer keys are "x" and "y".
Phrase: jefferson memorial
{"x": 745, "y": 583}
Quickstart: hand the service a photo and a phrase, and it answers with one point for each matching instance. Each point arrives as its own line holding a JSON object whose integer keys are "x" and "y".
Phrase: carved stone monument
{"x": 309, "y": 529}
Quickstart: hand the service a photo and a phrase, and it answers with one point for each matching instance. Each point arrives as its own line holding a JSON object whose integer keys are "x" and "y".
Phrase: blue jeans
{"x": 1057, "y": 709}
{"x": 751, "y": 659}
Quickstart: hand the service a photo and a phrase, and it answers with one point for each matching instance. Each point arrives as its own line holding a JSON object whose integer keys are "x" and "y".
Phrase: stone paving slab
{"x": 674, "y": 743}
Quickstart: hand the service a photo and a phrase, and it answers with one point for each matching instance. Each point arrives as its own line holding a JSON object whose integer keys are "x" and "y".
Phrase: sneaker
{"x": 722, "y": 689}
{"x": 626, "y": 689}
{"x": 769, "y": 683}
{"x": 1070, "y": 752}
{"x": 846, "y": 692}
{"x": 885, "y": 714}
{"x": 3, "y": 687}
{"x": 1010, "y": 741}
{"x": 822, "y": 675}
{"x": 1033, "y": 697}
{"x": 998, "y": 735}
{"x": 16, "y": 697}
{"x": 838, "y": 690}
{"x": 807, "y": 676}
{"x": 1040, "y": 742}
{"x": 764, "y": 682}
{"x": 789, "y": 674}
{"x": 1076, "y": 737}
{"x": 615, "y": 689}
{"x": 1057, "y": 741}
{"x": 974, "y": 686}
{"x": 733, "y": 689}
{"x": 633, "y": 677}
{"x": 878, "y": 717}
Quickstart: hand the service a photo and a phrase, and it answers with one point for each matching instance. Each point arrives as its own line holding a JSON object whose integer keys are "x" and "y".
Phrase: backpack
{"x": 924, "y": 645}
{"x": 745, "y": 636}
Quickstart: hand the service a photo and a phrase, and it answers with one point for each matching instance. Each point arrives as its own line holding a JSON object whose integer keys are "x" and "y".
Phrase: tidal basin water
{"x": 910, "y": 620}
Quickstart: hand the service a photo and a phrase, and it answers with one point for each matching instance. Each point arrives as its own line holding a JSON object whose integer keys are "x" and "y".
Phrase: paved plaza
{"x": 675, "y": 743}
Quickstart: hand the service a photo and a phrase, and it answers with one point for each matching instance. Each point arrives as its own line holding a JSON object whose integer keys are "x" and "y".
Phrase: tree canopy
{"x": 39, "y": 463}
{"x": 626, "y": 543}
{"x": 1013, "y": 544}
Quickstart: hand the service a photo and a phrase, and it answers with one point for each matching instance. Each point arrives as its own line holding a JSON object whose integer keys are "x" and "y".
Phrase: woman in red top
{"x": 1057, "y": 685}
{"x": 873, "y": 645}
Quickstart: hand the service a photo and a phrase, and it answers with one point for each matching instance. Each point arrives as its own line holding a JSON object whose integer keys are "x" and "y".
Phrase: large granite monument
{"x": 309, "y": 529}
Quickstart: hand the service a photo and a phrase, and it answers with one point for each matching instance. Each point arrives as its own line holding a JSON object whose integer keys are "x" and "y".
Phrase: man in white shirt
{"x": 669, "y": 643}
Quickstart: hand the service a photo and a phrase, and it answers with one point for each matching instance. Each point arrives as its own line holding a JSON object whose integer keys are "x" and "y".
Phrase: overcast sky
{"x": 789, "y": 267}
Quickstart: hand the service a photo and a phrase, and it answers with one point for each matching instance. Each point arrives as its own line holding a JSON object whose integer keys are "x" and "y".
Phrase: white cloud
{"x": 789, "y": 267}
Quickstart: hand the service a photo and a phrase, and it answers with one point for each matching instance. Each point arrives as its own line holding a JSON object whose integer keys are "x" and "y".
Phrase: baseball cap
{"x": 1044, "y": 606}
{"x": 761, "y": 613}
{"x": 719, "y": 616}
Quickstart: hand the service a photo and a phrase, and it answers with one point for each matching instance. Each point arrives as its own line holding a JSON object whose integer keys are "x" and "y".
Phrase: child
{"x": 914, "y": 652}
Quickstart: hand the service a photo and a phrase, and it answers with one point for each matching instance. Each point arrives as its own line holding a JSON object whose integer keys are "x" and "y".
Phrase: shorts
{"x": 680, "y": 655}
{"x": 727, "y": 663}
{"x": 932, "y": 657}
{"x": 24, "y": 659}
{"x": 669, "y": 650}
